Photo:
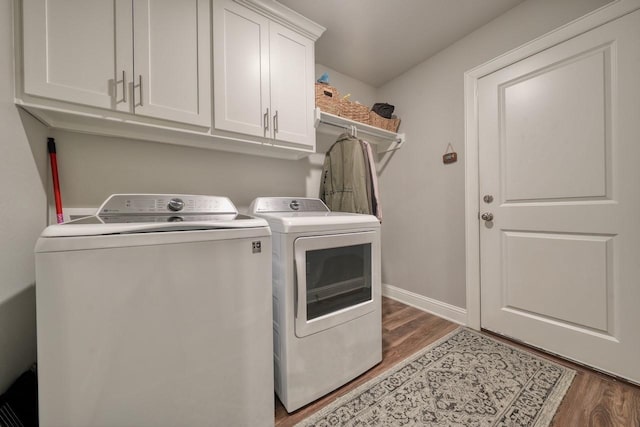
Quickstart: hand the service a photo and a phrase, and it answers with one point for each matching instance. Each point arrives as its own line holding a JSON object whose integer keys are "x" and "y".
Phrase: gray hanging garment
{"x": 343, "y": 184}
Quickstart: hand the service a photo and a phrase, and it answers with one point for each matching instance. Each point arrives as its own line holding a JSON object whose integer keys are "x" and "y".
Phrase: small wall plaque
{"x": 449, "y": 156}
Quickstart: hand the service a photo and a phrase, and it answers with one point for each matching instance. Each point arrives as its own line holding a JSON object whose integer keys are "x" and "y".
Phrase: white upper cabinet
{"x": 264, "y": 72}
{"x": 143, "y": 69}
{"x": 241, "y": 69}
{"x": 172, "y": 60}
{"x": 292, "y": 86}
{"x": 151, "y": 58}
{"x": 78, "y": 50}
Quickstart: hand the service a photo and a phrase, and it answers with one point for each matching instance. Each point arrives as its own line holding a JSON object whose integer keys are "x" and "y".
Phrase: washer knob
{"x": 294, "y": 205}
{"x": 175, "y": 204}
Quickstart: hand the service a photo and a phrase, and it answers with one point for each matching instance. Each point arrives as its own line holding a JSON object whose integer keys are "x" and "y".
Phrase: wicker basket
{"x": 380, "y": 122}
{"x": 327, "y": 98}
{"x": 354, "y": 111}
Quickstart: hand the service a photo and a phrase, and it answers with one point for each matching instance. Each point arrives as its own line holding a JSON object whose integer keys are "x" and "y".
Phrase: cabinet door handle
{"x": 124, "y": 87}
{"x": 140, "y": 86}
{"x": 275, "y": 122}
{"x": 266, "y": 121}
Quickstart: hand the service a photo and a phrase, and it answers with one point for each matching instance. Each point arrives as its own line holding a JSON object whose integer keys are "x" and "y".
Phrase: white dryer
{"x": 326, "y": 296}
{"x": 155, "y": 312}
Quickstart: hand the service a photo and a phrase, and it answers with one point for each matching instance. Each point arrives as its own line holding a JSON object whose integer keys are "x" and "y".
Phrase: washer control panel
{"x": 158, "y": 204}
{"x": 287, "y": 204}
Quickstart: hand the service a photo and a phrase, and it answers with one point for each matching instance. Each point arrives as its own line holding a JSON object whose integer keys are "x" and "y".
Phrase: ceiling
{"x": 377, "y": 40}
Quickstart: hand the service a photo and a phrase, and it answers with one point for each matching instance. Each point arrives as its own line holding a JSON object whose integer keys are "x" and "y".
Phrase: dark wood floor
{"x": 594, "y": 400}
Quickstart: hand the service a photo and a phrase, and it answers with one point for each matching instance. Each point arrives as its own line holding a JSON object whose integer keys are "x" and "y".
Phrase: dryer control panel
{"x": 287, "y": 204}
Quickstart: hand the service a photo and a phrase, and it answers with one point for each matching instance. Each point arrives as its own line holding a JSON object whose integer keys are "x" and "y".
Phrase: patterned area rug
{"x": 464, "y": 379}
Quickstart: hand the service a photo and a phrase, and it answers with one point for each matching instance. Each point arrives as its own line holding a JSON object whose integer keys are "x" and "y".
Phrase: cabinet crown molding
{"x": 285, "y": 16}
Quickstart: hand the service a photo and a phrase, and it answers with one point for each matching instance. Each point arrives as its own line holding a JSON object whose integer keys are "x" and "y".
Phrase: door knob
{"x": 487, "y": 216}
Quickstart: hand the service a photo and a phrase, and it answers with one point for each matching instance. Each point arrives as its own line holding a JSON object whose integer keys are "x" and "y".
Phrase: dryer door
{"x": 337, "y": 277}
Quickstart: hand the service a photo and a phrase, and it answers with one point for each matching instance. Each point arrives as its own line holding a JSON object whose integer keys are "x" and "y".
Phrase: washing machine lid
{"x": 290, "y": 214}
{"x": 146, "y": 213}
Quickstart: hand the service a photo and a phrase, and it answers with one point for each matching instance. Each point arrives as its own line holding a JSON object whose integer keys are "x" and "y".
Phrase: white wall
{"x": 423, "y": 235}
{"x": 23, "y": 174}
{"x": 93, "y": 167}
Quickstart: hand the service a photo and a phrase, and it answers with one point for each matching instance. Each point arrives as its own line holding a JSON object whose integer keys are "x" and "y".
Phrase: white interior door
{"x": 559, "y": 138}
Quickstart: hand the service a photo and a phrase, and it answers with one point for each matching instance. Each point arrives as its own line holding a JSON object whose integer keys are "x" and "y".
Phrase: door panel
{"x": 559, "y": 148}
{"x": 292, "y": 87}
{"x": 566, "y": 266}
{"x": 77, "y": 50}
{"x": 241, "y": 70}
{"x": 172, "y": 60}
{"x": 570, "y": 98}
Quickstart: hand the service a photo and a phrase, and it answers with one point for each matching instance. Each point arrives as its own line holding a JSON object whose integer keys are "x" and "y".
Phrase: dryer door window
{"x": 335, "y": 276}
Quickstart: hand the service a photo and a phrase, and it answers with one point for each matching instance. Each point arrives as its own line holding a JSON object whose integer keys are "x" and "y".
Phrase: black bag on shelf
{"x": 383, "y": 109}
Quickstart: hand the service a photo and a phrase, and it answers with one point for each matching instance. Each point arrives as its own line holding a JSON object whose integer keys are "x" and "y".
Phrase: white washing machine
{"x": 155, "y": 312}
{"x": 326, "y": 296}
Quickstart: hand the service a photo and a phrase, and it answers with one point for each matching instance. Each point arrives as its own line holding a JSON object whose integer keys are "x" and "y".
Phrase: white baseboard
{"x": 439, "y": 308}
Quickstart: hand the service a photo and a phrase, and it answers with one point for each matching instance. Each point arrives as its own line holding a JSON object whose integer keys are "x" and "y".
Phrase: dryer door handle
{"x": 295, "y": 289}
{"x": 300, "y": 285}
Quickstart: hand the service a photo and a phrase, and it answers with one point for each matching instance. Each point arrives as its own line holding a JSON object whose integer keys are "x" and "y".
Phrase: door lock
{"x": 488, "y": 198}
{"x": 487, "y": 216}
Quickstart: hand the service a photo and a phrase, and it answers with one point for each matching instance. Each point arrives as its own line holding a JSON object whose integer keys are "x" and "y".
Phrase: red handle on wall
{"x": 51, "y": 146}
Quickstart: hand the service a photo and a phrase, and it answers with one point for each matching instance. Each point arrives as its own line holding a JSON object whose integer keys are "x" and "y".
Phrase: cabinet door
{"x": 77, "y": 51}
{"x": 292, "y": 86}
{"x": 172, "y": 60}
{"x": 241, "y": 70}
